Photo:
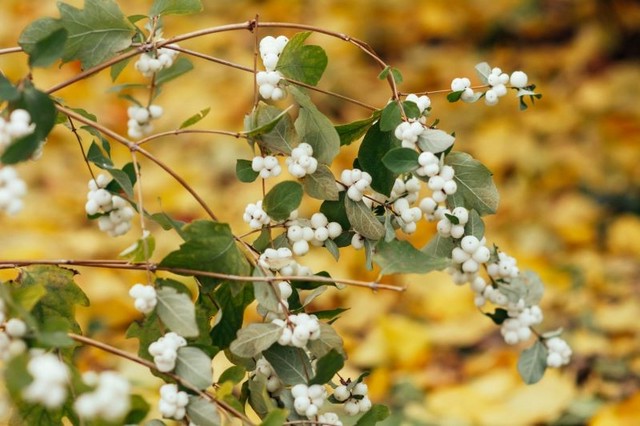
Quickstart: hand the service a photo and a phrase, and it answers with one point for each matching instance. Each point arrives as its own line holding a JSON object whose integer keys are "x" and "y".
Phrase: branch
{"x": 121, "y": 264}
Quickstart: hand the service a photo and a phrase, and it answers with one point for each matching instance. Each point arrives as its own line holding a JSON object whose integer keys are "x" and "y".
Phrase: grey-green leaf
{"x": 363, "y": 220}
{"x": 329, "y": 339}
{"x": 43, "y": 40}
{"x": 321, "y": 184}
{"x": 315, "y": 128}
{"x": 401, "y": 257}
{"x": 475, "y": 225}
{"x": 353, "y": 131}
{"x": 476, "y": 189}
{"x": 291, "y": 364}
{"x": 272, "y": 128}
{"x": 435, "y": 140}
{"x": 533, "y": 363}
{"x": 255, "y": 338}
{"x": 95, "y": 33}
{"x": 194, "y": 366}
{"x": 177, "y": 312}
{"x": 202, "y": 412}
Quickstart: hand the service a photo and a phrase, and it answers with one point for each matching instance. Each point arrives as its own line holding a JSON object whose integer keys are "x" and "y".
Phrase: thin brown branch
{"x": 178, "y": 132}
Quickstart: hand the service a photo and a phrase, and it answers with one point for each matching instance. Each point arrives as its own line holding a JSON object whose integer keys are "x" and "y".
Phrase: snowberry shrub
{"x": 406, "y": 174}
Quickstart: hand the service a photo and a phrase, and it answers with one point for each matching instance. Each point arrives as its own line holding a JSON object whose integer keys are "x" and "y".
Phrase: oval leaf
{"x": 282, "y": 199}
{"x": 254, "y": 339}
{"x": 194, "y": 366}
{"x": 321, "y": 185}
{"x": 401, "y": 160}
{"x": 363, "y": 220}
{"x": 202, "y": 412}
{"x": 177, "y": 312}
{"x": 401, "y": 257}
{"x": 302, "y": 63}
{"x": 476, "y": 189}
{"x": 533, "y": 363}
{"x": 435, "y": 140}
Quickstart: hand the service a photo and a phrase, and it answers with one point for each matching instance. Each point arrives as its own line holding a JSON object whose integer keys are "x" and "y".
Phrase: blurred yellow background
{"x": 567, "y": 171}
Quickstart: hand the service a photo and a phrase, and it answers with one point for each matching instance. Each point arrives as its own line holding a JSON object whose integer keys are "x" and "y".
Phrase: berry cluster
{"x": 408, "y": 132}
{"x": 140, "y": 117}
{"x": 298, "y": 329}
{"x": 409, "y": 189}
{"x": 116, "y": 215}
{"x": 270, "y": 50}
{"x": 152, "y": 62}
{"x": 408, "y": 216}
{"x": 266, "y": 166}
{"x": 145, "y": 297}
{"x": 19, "y": 125}
{"x": 12, "y": 189}
{"x": 109, "y": 400}
{"x": 355, "y": 398}
{"x": 50, "y": 379}
{"x": 276, "y": 259}
{"x": 274, "y": 384}
{"x": 443, "y": 184}
{"x": 356, "y": 183}
{"x": 517, "y": 328}
{"x": 504, "y": 268}
{"x": 496, "y": 79}
{"x": 471, "y": 254}
{"x": 255, "y": 216}
{"x": 429, "y": 164}
{"x": 559, "y": 352}
{"x": 330, "y": 419}
{"x": 316, "y": 234}
{"x": 173, "y": 403}
{"x": 308, "y": 399}
{"x": 11, "y": 343}
{"x": 165, "y": 351}
{"x": 301, "y": 162}
{"x": 451, "y": 223}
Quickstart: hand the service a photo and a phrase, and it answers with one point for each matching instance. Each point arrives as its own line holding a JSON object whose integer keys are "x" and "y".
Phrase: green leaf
{"x": 269, "y": 125}
{"x": 43, "y": 114}
{"x": 194, "y": 366}
{"x": 475, "y": 225}
{"x": 392, "y": 116}
{"x": 255, "y": 338}
{"x": 363, "y": 220}
{"x": 374, "y": 147}
{"x": 8, "y": 92}
{"x": 533, "y": 363}
{"x": 401, "y": 160}
{"x": 397, "y": 76}
{"x": 96, "y": 156}
{"x": 329, "y": 340}
{"x": 332, "y": 247}
{"x": 28, "y": 296}
{"x": 291, "y": 364}
{"x": 177, "y": 312}
{"x": 376, "y": 414}
{"x": 209, "y": 246}
{"x": 96, "y": 33}
{"x": 121, "y": 177}
{"x": 203, "y": 412}
{"x": 232, "y": 298}
{"x": 259, "y": 398}
{"x": 282, "y": 199}
{"x": 498, "y": 316}
{"x": 146, "y": 331}
{"x": 234, "y": 374}
{"x": 275, "y": 418}
{"x": 44, "y": 41}
{"x": 527, "y": 285}
{"x": 353, "y": 131}
{"x": 267, "y": 295}
{"x": 401, "y": 257}
{"x": 335, "y": 211}
{"x": 327, "y": 367}
{"x": 175, "y": 7}
{"x": 167, "y": 222}
{"x": 455, "y": 96}
{"x": 305, "y": 63}
{"x": 117, "y": 68}
{"x": 141, "y": 250}
{"x": 245, "y": 172}
{"x": 281, "y": 138}
{"x": 439, "y": 247}
{"x": 435, "y": 140}
{"x": 195, "y": 118}
{"x": 138, "y": 411}
{"x": 321, "y": 184}
{"x": 476, "y": 189}
{"x": 181, "y": 66}
{"x": 315, "y": 129}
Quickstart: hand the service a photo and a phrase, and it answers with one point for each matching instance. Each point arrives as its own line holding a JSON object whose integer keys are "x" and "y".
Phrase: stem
{"x": 178, "y": 132}
{"x": 8, "y": 50}
{"x": 121, "y": 264}
{"x": 126, "y": 355}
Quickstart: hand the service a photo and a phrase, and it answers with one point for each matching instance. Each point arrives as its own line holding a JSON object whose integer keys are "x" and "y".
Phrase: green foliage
{"x": 180, "y": 67}
{"x": 476, "y": 189}
{"x": 327, "y": 367}
{"x": 255, "y": 338}
{"x": 141, "y": 250}
{"x": 435, "y": 140}
{"x": 195, "y": 118}
{"x": 177, "y": 311}
{"x": 194, "y": 366}
{"x": 321, "y": 184}
{"x": 375, "y": 145}
{"x": 398, "y": 256}
{"x": 291, "y": 364}
{"x": 351, "y": 132}
{"x": 397, "y": 76}
{"x": 271, "y": 128}
{"x": 95, "y": 33}
{"x": 392, "y": 114}
{"x": 175, "y": 7}
{"x": 533, "y": 363}
{"x": 245, "y": 172}
{"x": 314, "y": 128}
{"x": 282, "y": 199}
{"x": 305, "y": 63}
{"x": 401, "y": 160}
{"x": 44, "y": 41}
{"x": 376, "y": 414}
{"x": 275, "y": 418}
{"x": 202, "y": 412}
{"x": 363, "y": 220}
{"x": 475, "y": 225}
